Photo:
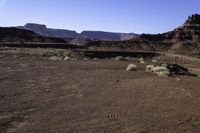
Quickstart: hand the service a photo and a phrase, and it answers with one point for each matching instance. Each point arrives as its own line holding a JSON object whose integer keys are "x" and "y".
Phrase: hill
{"x": 22, "y": 35}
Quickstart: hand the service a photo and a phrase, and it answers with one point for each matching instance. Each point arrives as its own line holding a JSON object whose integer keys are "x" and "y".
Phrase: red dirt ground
{"x": 42, "y": 96}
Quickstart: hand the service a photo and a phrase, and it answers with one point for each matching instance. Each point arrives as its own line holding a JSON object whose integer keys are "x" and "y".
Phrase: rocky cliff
{"x": 184, "y": 39}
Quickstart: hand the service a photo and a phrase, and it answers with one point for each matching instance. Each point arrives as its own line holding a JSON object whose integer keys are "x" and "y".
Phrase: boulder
{"x": 176, "y": 69}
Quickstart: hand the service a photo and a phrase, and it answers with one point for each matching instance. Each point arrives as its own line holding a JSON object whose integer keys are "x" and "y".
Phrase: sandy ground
{"x": 42, "y": 96}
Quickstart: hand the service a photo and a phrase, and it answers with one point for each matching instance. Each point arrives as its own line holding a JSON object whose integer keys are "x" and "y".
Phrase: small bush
{"x": 67, "y": 58}
{"x": 163, "y": 74}
{"x": 149, "y": 68}
{"x": 141, "y": 59}
{"x": 128, "y": 58}
{"x": 55, "y": 58}
{"x": 120, "y": 58}
{"x": 164, "y": 65}
{"x": 161, "y": 71}
{"x": 142, "y": 62}
{"x": 154, "y": 61}
{"x": 131, "y": 67}
{"x": 95, "y": 59}
{"x": 158, "y": 70}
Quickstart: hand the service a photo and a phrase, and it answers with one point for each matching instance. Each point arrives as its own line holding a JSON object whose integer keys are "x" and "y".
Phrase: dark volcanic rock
{"x": 179, "y": 70}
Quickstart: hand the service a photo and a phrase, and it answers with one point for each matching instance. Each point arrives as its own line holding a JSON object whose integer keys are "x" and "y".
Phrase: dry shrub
{"x": 158, "y": 70}
{"x": 141, "y": 59}
{"x": 55, "y": 58}
{"x": 142, "y": 62}
{"x": 131, "y": 67}
{"x": 163, "y": 74}
{"x": 149, "y": 68}
{"x": 154, "y": 61}
{"x": 120, "y": 58}
{"x": 67, "y": 58}
{"x": 161, "y": 71}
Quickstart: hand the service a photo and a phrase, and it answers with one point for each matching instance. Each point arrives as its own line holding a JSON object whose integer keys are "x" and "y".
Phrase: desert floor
{"x": 43, "y": 96}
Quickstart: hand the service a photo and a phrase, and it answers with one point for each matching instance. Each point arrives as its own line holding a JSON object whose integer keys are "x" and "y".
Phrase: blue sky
{"x": 138, "y": 16}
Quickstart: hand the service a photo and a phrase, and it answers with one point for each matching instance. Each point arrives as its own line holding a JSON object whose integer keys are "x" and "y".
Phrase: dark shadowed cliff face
{"x": 21, "y": 35}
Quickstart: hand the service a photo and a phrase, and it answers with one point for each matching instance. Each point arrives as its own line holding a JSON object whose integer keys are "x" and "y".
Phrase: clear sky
{"x": 138, "y": 16}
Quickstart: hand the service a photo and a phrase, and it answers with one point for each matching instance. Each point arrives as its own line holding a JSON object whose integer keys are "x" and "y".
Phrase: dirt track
{"x": 42, "y": 96}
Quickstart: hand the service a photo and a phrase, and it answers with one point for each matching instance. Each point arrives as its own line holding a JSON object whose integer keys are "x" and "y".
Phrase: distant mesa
{"x": 44, "y": 31}
{"x": 62, "y": 33}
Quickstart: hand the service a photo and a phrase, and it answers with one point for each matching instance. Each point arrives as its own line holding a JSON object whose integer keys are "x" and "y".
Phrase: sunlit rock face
{"x": 189, "y": 31}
